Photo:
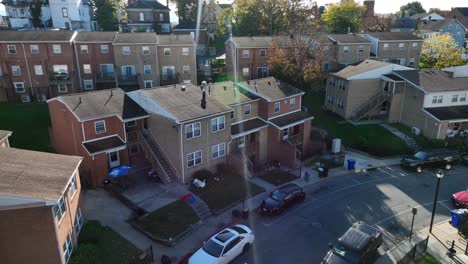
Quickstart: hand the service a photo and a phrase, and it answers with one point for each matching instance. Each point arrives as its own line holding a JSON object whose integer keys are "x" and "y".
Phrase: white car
{"x": 225, "y": 246}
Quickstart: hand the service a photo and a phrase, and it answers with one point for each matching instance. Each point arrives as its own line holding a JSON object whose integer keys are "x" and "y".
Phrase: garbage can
{"x": 456, "y": 217}
{"x": 351, "y": 164}
{"x": 323, "y": 171}
{"x": 306, "y": 176}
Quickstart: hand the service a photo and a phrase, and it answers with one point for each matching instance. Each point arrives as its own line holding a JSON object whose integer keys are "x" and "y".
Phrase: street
{"x": 383, "y": 198}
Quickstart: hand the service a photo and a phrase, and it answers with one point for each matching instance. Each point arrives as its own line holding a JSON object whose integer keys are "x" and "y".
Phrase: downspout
{"x": 402, "y": 102}
{"x": 182, "y": 154}
{"x": 78, "y": 66}
{"x": 158, "y": 79}
{"x": 438, "y": 130}
{"x": 27, "y": 69}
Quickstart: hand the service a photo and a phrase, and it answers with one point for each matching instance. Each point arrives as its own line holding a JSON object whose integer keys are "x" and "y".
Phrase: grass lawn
{"x": 101, "y": 244}
{"x": 373, "y": 139}
{"x": 420, "y": 139}
{"x": 169, "y": 221}
{"x": 229, "y": 189}
{"x": 426, "y": 258}
{"x": 278, "y": 177}
{"x": 29, "y": 123}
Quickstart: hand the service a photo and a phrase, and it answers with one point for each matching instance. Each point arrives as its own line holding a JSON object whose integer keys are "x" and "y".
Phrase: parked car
{"x": 282, "y": 198}
{"x": 465, "y": 159}
{"x": 460, "y": 199}
{"x": 225, "y": 246}
{"x": 422, "y": 160}
{"x": 358, "y": 245}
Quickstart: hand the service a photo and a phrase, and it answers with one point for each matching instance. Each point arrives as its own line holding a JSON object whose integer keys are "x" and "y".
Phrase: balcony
{"x": 127, "y": 79}
{"x": 105, "y": 77}
{"x": 59, "y": 78}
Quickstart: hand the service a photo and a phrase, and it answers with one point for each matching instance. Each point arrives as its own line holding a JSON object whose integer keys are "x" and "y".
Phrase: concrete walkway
{"x": 409, "y": 141}
{"x": 439, "y": 243}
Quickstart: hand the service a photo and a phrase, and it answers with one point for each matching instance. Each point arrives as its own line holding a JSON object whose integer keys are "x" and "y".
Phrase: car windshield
{"x": 421, "y": 155}
{"x": 349, "y": 255}
{"x": 277, "y": 195}
{"x": 213, "y": 248}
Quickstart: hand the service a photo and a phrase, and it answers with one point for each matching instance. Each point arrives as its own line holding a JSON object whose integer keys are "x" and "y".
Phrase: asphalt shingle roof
{"x": 394, "y": 36}
{"x": 35, "y": 174}
{"x": 176, "y": 39}
{"x": 101, "y": 103}
{"x": 253, "y": 42}
{"x": 436, "y": 25}
{"x": 103, "y": 144}
{"x": 228, "y": 94}
{"x": 36, "y": 36}
{"x": 141, "y": 4}
{"x": 247, "y": 126}
{"x": 143, "y": 37}
{"x": 348, "y": 38}
{"x": 449, "y": 112}
{"x": 291, "y": 118}
{"x": 270, "y": 88}
{"x": 95, "y": 37}
{"x": 435, "y": 80}
{"x": 365, "y": 66}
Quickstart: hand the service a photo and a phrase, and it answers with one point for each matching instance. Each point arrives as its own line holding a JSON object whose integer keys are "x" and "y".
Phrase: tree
{"x": 106, "y": 12}
{"x": 344, "y": 17}
{"x": 411, "y": 9}
{"x": 187, "y": 10}
{"x": 35, "y": 8}
{"x": 440, "y": 52}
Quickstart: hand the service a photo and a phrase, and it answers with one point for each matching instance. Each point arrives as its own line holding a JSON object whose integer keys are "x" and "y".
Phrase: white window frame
{"x": 145, "y": 50}
{"x": 147, "y": 67}
{"x": 192, "y": 127}
{"x": 67, "y": 248}
{"x": 72, "y": 187}
{"x": 192, "y": 157}
{"x": 78, "y": 222}
{"x": 103, "y": 125}
{"x": 126, "y": 51}
{"x": 247, "y": 109}
{"x": 263, "y": 53}
{"x": 167, "y": 51}
{"x": 57, "y": 49}
{"x": 462, "y": 98}
{"x": 38, "y": 70}
{"x": 186, "y": 69}
{"x": 440, "y": 99}
{"x": 60, "y": 209}
{"x": 245, "y": 72}
{"x": 104, "y": 50}
{"x": 14, "y": 72}
{"x": 88, "y": 84}
{"x": 62, "y": 87}
{"x": 276, "y": 109}
{"x": 87, "y": 69}
{"x": 34, "y": 49}
{"x": 132, "y": 123}
{"x": 161, "y": 17}
{"x": 218, "y": 124}
{"x": 245, "y": 53}
{"x": 386, "y": 46}
{"x": 345, "y": 49}
{"x": 241, "y": 142}
{"x": 185, "y": 52}
{"x": 285, "y": 133}
{"x": 455, "y": 98}
{"x": 84, "y": 49}
{"x": 142, "y": 16}
{"x": 414, "y": 45}
{"x": 218, "y": 150}
{"x": 10, "y": 50}
{"x": 232, "y": 115}
{"x": 16, "y": 87}
{"x": 145, "y": 82}
{"x": 64, "y": 12}
{"x": 401, "y": 45}
{"x": 292, "y": 103}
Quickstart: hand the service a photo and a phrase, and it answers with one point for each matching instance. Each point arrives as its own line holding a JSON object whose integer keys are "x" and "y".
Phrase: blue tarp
{"x": 119, "y": 171}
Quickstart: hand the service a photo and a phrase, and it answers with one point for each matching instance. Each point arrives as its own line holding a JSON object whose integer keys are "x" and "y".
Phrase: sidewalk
{"x": 439, "y": 243}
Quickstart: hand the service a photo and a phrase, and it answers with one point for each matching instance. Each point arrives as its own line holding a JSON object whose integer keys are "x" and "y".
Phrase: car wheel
{"x": 301, "y": 199}
{"x": 246, "y": 248}
{"x": 419, "y": 169}
{"x": 448, "y": 166}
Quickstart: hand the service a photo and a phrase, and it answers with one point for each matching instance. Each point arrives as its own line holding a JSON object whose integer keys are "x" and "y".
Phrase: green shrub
{"x": 202, "y": 174}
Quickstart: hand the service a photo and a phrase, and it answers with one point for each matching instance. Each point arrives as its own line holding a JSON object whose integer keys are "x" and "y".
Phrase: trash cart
{"x": 323, "y": 171}
{"x": 351, "y": 164}
{"x": 456, "y": 216}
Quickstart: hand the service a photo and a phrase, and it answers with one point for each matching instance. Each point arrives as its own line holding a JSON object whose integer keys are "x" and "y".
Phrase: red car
{"x": 460, "y": 199}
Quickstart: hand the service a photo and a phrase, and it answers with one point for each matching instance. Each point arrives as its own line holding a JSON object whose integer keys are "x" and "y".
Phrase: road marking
{"x": 441, "y": 202}
{"x": 354, "y": 180}
{"x": 388, "y": 168}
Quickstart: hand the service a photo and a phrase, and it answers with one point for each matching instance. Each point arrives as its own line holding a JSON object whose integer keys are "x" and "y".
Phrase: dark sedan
{"x": 282, "y": 198}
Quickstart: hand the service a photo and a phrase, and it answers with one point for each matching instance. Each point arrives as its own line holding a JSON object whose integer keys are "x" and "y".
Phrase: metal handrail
{"x": 163, "y": 152}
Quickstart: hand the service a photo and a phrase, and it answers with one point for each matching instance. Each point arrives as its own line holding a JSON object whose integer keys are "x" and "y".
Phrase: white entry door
{"x": 114, "y": 159}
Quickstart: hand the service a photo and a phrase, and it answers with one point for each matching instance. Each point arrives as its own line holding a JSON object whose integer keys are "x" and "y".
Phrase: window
{"x": 62, "y": 88}
{"x": 64, "y": 12}
{"x": 78, "y": 222}
{"x": 167, "y": 52}
{"x": 245, "y": 72}
{"x": 16, "y": 70}
{"x": 88, "y": 84}
{"x": 59, "y": 209}
{"x": 38, "y": 70}
{"x": 186, "y": 69}
{"x": 104, "y": 49}
{"x": 19, "y": 87}
{"x": 402, "y": 61}
{"x": 147, "y": 69}
{"x": 455, "y": 98}
{"x": 148, "y": 83}
{"x": 185, "y": 51}
{"x": 462, "y": 97}
{"x": 86, "y": 68}
{"x": 60, "y": 68}
{"x": 192, "y": 130}
{"x": 361, "y": 49}
{"x": 100, "y": 127}
{"x": 345, "y": 49}
{"x": 72, "y": 186}
{"x": 330, "y": 99}
{"x": 285, "y": 133}
{"x": 414, "y": 45}
{"x": 142, "y": 16}
{"x": 412, "y": 61}
{"x": 217, "y": 124}
{"x": 145, "y": 50}
{"x": 57, "y": 49}
{"x": 339, "y": 104}
{"x": 84, "y": 49}
{"x": 386, "y": 46}
{"x": 401, "y": 45}
{"x": 292, "y": 103}
{"x": 262, "y": 53}
{"x": 437, "y": 99}
{"x": 161, "y": 17}
{"x": 168, "y": 73}
{"x": 218, "y": 151}
{"x": 232, "y": 114}
{"x": 194, "y": 158}
{"x": 262, "y": 72}
{"x": 34, "y": 49}
{"x": 131, "y": 123}
{"x": 276, "y": 107}
{"x": 245, "y": 54}
{"x": 11, "y": 49}
{"x": 67, "y": 248}
{"x": 126, "y": 51}
{"x": 247, "y": 109}
{"x": 241, "y": 142}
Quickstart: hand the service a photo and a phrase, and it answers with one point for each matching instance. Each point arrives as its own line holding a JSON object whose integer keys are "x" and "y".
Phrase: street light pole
{"x": 440, "y": 175}
{"x": 414, "y": 211}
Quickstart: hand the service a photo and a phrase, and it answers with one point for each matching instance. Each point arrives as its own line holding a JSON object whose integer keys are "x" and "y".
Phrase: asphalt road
{"x": 382, "y": 198}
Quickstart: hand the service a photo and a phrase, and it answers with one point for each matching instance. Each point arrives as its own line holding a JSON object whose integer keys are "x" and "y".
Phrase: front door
{"x": 114, "y": 159}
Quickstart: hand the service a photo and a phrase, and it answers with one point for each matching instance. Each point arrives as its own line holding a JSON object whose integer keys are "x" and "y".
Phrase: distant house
{"x": 427, "y": 17}
{"x": 347, "y": 49}
{"x": 147, "y": 16}
{"x": 40, "y": 205}
{"x": 199, "y": 34}
{"x": 450, "y": 26}
{"x": 461, "y": 14}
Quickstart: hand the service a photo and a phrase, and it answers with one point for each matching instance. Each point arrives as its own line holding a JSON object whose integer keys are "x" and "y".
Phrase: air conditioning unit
{"x": 26, "y": 98}
{"x": 41, "y": 98}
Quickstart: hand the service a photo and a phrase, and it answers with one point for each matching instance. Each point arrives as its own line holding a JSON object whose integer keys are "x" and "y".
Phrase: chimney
{"x": 182, "y": 88}
{"x": 203, "y": 99}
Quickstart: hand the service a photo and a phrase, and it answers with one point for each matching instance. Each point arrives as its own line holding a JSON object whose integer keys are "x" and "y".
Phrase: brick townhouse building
{"x": 147, "y": 16}
{"x": 342, "y": 50}
{"x": 40, "y": 210}
{"x": 101, "y": 126}
{"x": 37, "y": 64}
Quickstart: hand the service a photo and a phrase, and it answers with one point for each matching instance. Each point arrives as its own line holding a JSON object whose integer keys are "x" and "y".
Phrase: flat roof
{"x": 34, "y": 174}
{"x": 176, "y": 39}
{"x": 348, "y": 38}
{"x": 253, "y": 42}
{"x": 93, "y": 37}
{"x": 435, "y": 80}
{"x": 229, "y": 94}
{"x": 135, "y": 38}
{"x": 100, "y": 145}
{"x": 270, "y": 88}
{"x": 36, "y": 36}
{"x": 394, "y": 36}
{"x": 247, "y": 126}
{"x": 292, "y": 118}
{"x": 448, "y": 113}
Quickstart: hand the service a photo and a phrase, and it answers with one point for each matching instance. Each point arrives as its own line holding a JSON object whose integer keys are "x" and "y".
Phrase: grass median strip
{"x": 169, "y": 221}
{"x": 425, "y": 258}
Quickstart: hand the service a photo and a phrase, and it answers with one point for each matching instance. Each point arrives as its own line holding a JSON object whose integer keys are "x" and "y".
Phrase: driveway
{"x": 382, "y": 198}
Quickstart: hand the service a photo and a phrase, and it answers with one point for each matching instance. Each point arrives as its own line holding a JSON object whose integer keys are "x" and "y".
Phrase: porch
{"x": 452, "y": 120}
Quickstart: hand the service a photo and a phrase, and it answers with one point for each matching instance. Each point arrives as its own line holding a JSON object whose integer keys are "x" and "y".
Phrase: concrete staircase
{"x": 201, "y": 208}
{"x": 158, "y": 160}
{"x": 409, "y": 141}
{"x": 373, "y": 103}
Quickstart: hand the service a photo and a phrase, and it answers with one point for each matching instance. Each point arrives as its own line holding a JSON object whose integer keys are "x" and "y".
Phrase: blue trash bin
{"x": 351, "y": 164}
{"x": 456, "y": 217}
